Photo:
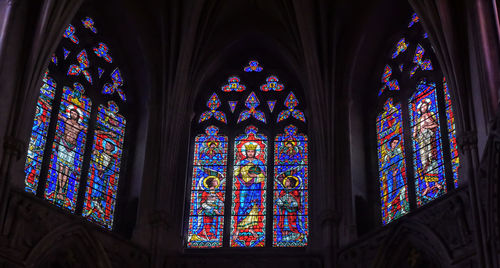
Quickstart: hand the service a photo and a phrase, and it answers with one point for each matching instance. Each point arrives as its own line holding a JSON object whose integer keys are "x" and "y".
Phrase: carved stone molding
{"x": 443, "y": 228}
{"x": 37, "y": 231}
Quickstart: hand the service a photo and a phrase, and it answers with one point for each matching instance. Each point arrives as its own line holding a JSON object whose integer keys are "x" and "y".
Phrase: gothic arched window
{"x": 417, "y": 149}
{"x": 249, "y": 184}
{"x": 77, "y": 140}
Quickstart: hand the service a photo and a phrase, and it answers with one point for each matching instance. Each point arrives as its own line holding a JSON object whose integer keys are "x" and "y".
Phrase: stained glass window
{"x": 392, "y": 166}
{"x": 450, "y": 119}
{"x": 102, "y": 182}
{"x": 412, "y": 71}
{"x": 290, "y": 211}
{"x": 252, "y": 103}
{"x": 266, "y": 204}
{"x": 206, "y": 216}
{"x": 428, "y": 161}
{"x": 248, "y": 209}
{"x": 39, "y": 134}
{"x": 68, "y": 148}
{"x": 63, "y": 125}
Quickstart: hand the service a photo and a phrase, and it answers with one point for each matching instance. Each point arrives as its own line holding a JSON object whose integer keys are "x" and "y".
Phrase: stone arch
{"x": 413, "y": 244}
{"x": 69, "y": 245}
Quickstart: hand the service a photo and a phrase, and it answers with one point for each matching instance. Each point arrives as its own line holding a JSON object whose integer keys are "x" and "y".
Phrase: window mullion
{"x": 409, "y": 155}
{"x": 269, "y": 192}
{"x": 226, "y": 239}
{"x": 49, "y": 139}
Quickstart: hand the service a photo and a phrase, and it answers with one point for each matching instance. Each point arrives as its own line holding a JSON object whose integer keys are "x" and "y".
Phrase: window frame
{"x": 408, "y": 87}
{"x": 271, "y": 129}
{"x": 58, "y": 72}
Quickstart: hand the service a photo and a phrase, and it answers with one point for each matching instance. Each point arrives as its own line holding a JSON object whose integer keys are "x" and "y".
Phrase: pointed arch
{"x": 266, "y": 204}
{"x": 410, "y": 236}
{"x": 78, "y": 137}
{"x": 73, "y": 240}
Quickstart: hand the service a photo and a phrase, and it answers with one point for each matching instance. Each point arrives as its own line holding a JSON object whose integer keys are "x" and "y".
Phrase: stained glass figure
{"x": 102, "y": 51}
{"x": 290, "y": 218}
{"x": 233, "y": 85}
{"x": 66, "y": 53}
{"x": 206, "y": 216}
{"x": 401, "y": 47}
{"x": 272, "y": 84}
{"x": 450, "y": 118}
{"x": 104, "y": 171}
{"x": 253, "y": 66}
{"x": 420, "y": 63}
{"x": 386, "y": 79}
{"x": 248, "y": 210}
{"x": 39, "y": 134}
{"x": 392, "y": 168}
{"x": 89, "y": 24}
{"x": 428, "y": 156}
{"x": 252, "y": 103}
{"x": 414, "y": 19}
{"x": 271, "y": 104}
{"x": 213, "y": 103}
{"x": 81, "y": 68}
{"x": 54, "y": 59}
{"x": 68, "y": 148}
{"x": 291, "y": 102}
{"x": 110, "y": 88}
{"x": 232, "y": 105}
{"x": 70, "y": 34}
{"x": 100, "y": 71}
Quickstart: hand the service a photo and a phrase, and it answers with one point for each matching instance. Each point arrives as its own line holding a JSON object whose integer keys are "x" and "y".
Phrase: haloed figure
{"x": 424, "y": 132}
{"x": 288, "y": 200}
{"x": 66, "y": 150}
{"x": 250, "y": 172}
{"x": 103, "y": 168}
{"x": 212, "y": 202}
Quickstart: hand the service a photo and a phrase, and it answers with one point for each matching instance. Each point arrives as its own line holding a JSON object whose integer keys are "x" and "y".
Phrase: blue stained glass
{"x": 213, "y": 103}
{"x": 420, "y": 62}
{"x": 89, "y": 24}
{"x": 455, "y": 161}
{"x": 248, "y": 210}
{"x": 70, "y": 34}
{"x": 414, "y": 19}
{"x": 54, "y": 59}
{"x": 401, "y": 47}
{"x": 232, "y": 105}
{"x": 83, "y": 64}
{"x": 104, "y": 171}
{"x": 290, "y": 218}
{"x": 253, "y": 66}
{"x": 66, "y": 53}
{"x": 100, "y": 71}
{"x": 428, "y": 156}
{"x": 252, "y": 102}
{"x": 102, "y": 51}
{"x": 68, "y": 148}
{"x": 39, "y": 134}
{"x": 291, "y": 102}
{"x": 392, "y": 84}
{"x": 115, "y": 86}
{"x": 206, "y": 217}
{"x": 392, "y": 167}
